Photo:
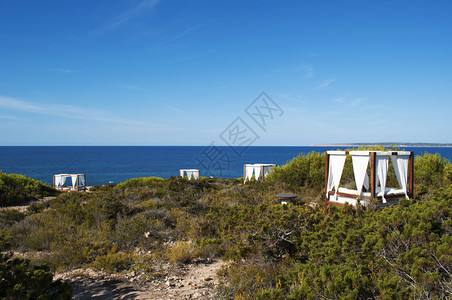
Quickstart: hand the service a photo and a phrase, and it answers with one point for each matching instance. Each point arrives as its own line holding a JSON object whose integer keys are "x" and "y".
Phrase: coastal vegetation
{"x": 273, "y": 251}
{"x": 22, "y": 280}
{"x": 17, "y": 189}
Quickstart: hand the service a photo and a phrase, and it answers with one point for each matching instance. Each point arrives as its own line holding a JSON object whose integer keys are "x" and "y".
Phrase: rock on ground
{"x": 194, "y": 281}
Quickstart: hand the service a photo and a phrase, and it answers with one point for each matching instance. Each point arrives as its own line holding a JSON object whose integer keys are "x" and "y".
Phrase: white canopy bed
{"x": 77, "y": 183}
{"x": 402, "y": 162}
{"x": 260, "y": 171}
{"x": 190, "y": 173}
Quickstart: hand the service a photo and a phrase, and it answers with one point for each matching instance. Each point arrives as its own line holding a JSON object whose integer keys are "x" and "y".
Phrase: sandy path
{"x": 24, "y": 206}
{"x": 194, "y": 281}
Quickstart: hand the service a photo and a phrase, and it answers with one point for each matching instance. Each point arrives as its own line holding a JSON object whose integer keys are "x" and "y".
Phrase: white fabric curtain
{"x": 189, "y": 174}
{"x": 74, "y": 180}
{"x": 181, "y": 173}
{"x": 400, "y": 164}
{"x": 257, "y": 171}
{"x": 336, "y": 166}
{"x": 57, "y": 180}
{"x": 267, "y": 170}
{"x": 360, "y": 171}
{"x": 63, "y": 179}
{"x": 249, "y": 169}
{"x": 382, "y": 172}
{"x": 366, "y": 182}
{"x": 81, "y": 178}
{"x": 196, "y": 175}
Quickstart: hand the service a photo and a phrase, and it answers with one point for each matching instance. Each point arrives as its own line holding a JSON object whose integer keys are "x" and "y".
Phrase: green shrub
{"x": 302, "y": 171}
{"x": 182, "y": 252}
{"x": 16, "y": 189}
{"x": 256, "y": 278}
{"x": 141, "y": 182}
{"x": 113, "y": 261}
{"x": 82, "y": 251}
{"x": 431, "y": 172}
{"x": 8, "y": 217}
{"x": 20, "y": 280}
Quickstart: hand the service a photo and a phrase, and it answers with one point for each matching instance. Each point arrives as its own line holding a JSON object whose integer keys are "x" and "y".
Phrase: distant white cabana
{"x": 190, "y": 173}
{"x": 77, "y": 182}
{"x": 402, "y": 162}
{"x": 260, "y": 171}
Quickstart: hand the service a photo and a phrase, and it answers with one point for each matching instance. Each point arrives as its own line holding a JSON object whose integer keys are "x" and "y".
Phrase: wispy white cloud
{"x": 308, "y": 70}
{"x": 357, "y": 102}
{"x": 345, "y": 101}
{"x": 174, "y": 109}
{"x": 19, "y": 105}
{"x": 11, "y": 118}
{"x": 66, "y": 111}
{"x": 181, "y": 34}
{"x": 124, "y": 18}
{"x": 185, "y": 32}
{"x": 325, "y": 83}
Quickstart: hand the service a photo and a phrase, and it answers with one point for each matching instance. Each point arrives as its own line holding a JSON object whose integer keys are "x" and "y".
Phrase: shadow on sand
{"x": 103, "y": 289}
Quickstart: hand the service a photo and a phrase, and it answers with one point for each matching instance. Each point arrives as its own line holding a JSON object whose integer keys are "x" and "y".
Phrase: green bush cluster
{"x": 16, "y": 189}
{"x": 431, "y": 173}
{"x": 304, "y": 171}
{"x": 275, "y": 251}
{"x": 399, "y": 252}
{"x": 21, "y": 280}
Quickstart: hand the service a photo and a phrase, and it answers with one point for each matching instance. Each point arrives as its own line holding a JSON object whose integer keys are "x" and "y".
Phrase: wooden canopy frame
{"x": 373, "y": 180}
{"x": 261, "y": 175}
{"x": 69, "y": 188}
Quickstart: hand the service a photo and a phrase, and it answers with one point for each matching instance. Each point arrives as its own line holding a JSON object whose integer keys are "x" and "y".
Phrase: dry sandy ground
{"x": 194, "y": 281}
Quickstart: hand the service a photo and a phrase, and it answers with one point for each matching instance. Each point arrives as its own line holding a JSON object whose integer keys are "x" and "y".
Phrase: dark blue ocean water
{"x": 119, "y": 163}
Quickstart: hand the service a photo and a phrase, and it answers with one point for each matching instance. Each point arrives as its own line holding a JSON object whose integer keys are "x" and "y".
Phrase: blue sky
{"x": 169, "y": 72}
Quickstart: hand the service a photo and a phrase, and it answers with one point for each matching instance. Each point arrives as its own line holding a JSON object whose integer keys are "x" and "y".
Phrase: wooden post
{"x": 327, "y": 167}
{"x": 411, "y": 174}
{"x": 372, "y": 174}
{"x": 244, "y": 173}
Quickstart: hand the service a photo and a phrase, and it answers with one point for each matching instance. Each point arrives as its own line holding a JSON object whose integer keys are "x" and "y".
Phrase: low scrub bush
{"x": 181, "y": 252}
{"x": 113, "y": 261}
{"x": 16, "y": 189}
{"x": 430, "y": 173}
{"x": 21, "y": 280}
{"x": 302, "y": 171}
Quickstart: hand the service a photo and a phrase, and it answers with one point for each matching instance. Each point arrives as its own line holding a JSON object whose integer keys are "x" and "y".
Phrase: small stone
{"x": 208, "y": 279}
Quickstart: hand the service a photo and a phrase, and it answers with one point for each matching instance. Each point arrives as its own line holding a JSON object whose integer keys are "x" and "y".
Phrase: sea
{"x": 114, "y": 164}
